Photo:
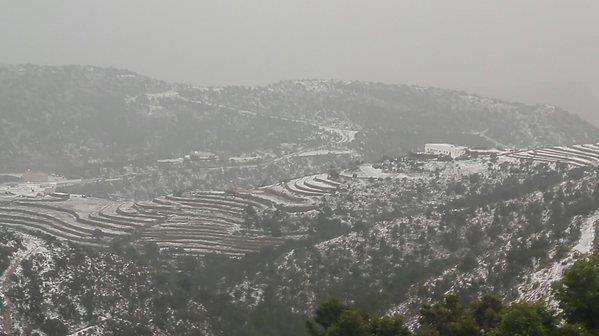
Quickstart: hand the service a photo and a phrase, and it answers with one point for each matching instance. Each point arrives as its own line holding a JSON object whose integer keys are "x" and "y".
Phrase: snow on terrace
{"x": 84, "y": 205}
{"x": 296, "y": 195}
{"x": 577, "y": 155}
{"x": 67, "y": 224}
{"x": 346, "y": 135}
{"x": 308, "y": 186}
{"x": 537, "y": 285}
{"x": 280, "y": 195}
{"x": 322, "y": 152}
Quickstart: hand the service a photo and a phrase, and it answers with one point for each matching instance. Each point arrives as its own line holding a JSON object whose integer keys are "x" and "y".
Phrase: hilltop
{"x": 60, "y": 118}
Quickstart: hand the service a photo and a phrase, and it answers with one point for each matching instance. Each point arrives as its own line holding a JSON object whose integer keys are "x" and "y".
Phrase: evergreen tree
{"x": 448, "y": 318}
{"x": 487, "y": 311}
{"x": 334, "y": 318}
{"x": 578, "y": 293}
{"x": 527, "y": 319}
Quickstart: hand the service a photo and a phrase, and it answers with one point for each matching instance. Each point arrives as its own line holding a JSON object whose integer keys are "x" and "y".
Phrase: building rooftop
{"x": 444, "y": 145}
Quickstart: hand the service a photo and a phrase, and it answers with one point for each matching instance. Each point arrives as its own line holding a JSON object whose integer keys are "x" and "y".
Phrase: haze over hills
{"x": 299, "y": 168}
{"x": 576, "y": 97}
{"x": 62, "y": 117}
{"x": 238, "y": 210}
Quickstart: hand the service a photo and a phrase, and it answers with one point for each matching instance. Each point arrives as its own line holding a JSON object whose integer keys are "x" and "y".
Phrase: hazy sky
{"x": 465, "y": 44}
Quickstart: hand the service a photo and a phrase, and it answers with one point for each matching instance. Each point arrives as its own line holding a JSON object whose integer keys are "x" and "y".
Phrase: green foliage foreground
{"x": 577, "y": 293}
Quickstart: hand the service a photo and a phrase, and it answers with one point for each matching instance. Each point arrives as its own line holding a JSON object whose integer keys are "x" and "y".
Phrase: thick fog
{"x": 532, "y": 51}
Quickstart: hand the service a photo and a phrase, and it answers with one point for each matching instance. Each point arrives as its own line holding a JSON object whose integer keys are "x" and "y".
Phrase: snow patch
{"x": 538, "y": 284}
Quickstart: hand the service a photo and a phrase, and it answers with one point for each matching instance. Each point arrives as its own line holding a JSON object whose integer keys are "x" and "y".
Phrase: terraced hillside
{"x": 576, "y": 155}
{"x": 393, "y": 234}
{"x": 467, "y": 226}
{"x": 200, "y": 223}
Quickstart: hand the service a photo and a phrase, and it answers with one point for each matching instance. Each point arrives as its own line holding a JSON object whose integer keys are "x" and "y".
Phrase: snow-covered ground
{"x": 578, "y": 155}
{"x": 346, "y": 135}
{"x": 319, "y": 152}
{"x": 368, "y": 171}
{"x": 454, "y": 170}
{"x": 31, "y": 246}
{"x": 27, "y": 189}
{"x": 537, "y": 286}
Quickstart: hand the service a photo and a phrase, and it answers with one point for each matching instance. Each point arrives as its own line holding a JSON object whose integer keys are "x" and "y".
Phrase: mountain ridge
{"x": 60, "y": 117}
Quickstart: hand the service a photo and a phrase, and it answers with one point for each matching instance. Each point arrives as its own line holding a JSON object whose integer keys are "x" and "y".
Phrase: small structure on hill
{"x": 443, "y": 149}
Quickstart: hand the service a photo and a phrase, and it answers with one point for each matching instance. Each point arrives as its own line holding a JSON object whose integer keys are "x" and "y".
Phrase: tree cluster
{"x": 577, "y": 293}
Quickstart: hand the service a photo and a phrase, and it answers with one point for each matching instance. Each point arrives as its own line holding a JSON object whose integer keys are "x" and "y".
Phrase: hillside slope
{"x": 64, "y": 117}
{"x": 462, "y": 227}
{"x": 384, "y": 244}
{"x": 72, "y": 116}
{"x": 398, "y": 118}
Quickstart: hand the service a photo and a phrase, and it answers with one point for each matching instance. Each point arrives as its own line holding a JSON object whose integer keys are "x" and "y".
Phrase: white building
{"x": 452, "y": 151}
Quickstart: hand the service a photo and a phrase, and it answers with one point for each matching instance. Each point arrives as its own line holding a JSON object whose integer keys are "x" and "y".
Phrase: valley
{"x": 180, "y": 210}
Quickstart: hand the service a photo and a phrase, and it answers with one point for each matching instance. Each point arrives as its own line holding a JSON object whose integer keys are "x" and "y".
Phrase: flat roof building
{"x": 444, "y": 149}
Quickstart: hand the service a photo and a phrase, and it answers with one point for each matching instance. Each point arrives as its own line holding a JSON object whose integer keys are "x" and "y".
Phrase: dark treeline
{"x": 577, "y": 294}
